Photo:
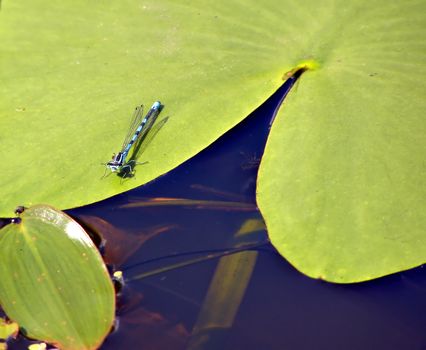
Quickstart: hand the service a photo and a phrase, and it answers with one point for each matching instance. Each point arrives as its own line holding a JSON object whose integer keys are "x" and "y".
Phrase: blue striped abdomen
{"x": 135, "y": 136}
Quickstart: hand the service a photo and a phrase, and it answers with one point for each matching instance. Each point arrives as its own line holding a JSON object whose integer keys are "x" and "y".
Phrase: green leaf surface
{"x": 72, "y": 72}
{"x": 342, "y": 183}
{"x": 54, "y": 283}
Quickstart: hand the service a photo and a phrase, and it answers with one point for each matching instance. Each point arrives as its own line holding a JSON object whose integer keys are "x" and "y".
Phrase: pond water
{"x": 170, "y": 238}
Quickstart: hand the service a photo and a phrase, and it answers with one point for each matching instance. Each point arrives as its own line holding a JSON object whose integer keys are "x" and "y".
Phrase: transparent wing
{"x": 134, "y": 123}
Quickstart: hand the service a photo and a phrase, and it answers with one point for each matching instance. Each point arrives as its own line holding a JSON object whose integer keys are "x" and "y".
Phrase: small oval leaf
{"x": 54, "y": 282}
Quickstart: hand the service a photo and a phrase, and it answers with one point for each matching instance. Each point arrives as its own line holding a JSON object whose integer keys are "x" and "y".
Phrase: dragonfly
{"x": 138, "y": 128}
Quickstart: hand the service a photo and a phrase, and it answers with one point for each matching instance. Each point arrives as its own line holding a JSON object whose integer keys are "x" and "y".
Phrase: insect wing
{"x": 135, "y": 122}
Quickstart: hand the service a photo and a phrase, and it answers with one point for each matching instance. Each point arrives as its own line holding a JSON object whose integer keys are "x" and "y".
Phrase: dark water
{"x": 194, "y": 212}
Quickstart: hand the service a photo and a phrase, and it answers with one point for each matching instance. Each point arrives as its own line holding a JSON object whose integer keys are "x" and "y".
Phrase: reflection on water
{"x": 183, "y": 243}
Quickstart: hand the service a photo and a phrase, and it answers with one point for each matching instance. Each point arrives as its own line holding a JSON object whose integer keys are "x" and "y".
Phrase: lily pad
{"x": 73, "y": 72}
{"x": 342, "y": 183}
{"x": 54, "y": 283}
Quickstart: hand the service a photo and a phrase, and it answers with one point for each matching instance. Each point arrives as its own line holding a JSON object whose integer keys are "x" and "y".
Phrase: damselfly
{"x": 138, "y": 128}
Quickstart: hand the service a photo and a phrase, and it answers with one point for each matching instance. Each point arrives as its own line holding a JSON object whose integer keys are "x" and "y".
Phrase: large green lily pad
{"x": 54, "y": 283}
{"x": 342, "y": 183}
{"x": 72, "y": 73}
